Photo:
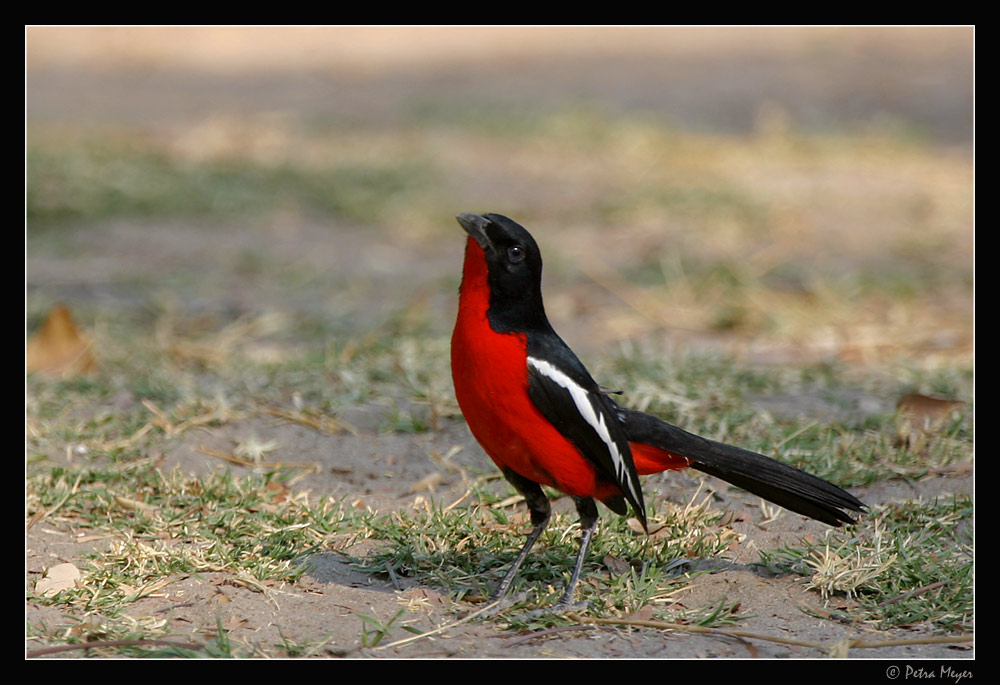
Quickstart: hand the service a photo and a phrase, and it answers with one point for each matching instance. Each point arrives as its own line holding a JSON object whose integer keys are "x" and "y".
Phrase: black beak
{"x": 475, "y": 226}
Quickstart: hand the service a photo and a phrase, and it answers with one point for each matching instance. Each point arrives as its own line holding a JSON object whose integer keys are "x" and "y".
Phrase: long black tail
{"x": 779, "y": 483}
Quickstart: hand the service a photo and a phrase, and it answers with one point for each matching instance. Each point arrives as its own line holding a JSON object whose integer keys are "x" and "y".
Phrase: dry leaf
{"x": 60, "y": 577}
{"x": 643, "y": 613}
{"x": 921, "y": 417}
{"x": 58, "y": 348}
{"x": 616, "y": 565}
{"x": 278, "y": 492}
{"x": 233, "y": 623}
{"x": 635, "y": 525}
{"x": 929, "y": 410}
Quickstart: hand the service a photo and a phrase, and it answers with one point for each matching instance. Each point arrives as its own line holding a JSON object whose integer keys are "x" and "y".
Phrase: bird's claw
{"x": 560, "y": 608}
{"x": 498, "y": 604}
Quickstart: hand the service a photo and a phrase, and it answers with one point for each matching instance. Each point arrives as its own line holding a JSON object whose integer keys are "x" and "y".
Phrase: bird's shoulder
{"x": 549, "y": 355}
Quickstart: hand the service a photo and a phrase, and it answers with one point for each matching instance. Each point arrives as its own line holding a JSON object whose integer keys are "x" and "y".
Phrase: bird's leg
{"x": 588, "y": 522}
{"x": 541, "y": 512}
{"x": 587, "y": 509}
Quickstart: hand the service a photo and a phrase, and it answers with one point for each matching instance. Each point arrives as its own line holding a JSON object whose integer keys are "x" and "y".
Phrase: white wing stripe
{"x": 581, "y": 398}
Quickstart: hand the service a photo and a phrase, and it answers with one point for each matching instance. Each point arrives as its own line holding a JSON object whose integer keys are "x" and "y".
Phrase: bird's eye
{"x": 516, "y": 254}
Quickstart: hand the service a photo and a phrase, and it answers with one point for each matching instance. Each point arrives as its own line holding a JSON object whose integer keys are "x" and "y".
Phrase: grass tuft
{"x": 908, "y": 563}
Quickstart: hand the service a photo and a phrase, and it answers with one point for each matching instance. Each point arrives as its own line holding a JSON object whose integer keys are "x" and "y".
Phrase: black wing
{"x": 567, "y": 396}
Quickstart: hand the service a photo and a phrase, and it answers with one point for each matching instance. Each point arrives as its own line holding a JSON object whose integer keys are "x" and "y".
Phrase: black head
{"x": 514, "y": 263}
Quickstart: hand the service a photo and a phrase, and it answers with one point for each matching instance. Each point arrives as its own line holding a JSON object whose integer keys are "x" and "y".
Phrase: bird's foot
{"x": 496, "y": 605}
{"x": 562, "y": 607}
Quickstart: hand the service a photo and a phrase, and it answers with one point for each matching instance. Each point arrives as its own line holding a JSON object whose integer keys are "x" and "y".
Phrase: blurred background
{"x": 782, "y": 194}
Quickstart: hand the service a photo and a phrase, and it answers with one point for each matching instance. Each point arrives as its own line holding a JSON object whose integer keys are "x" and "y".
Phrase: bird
{"x": 541, "y": 417}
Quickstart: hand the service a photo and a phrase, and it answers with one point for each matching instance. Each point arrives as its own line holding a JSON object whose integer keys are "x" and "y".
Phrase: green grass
{"x": 249, "y": 527}
{"x": 155, "y": 528}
